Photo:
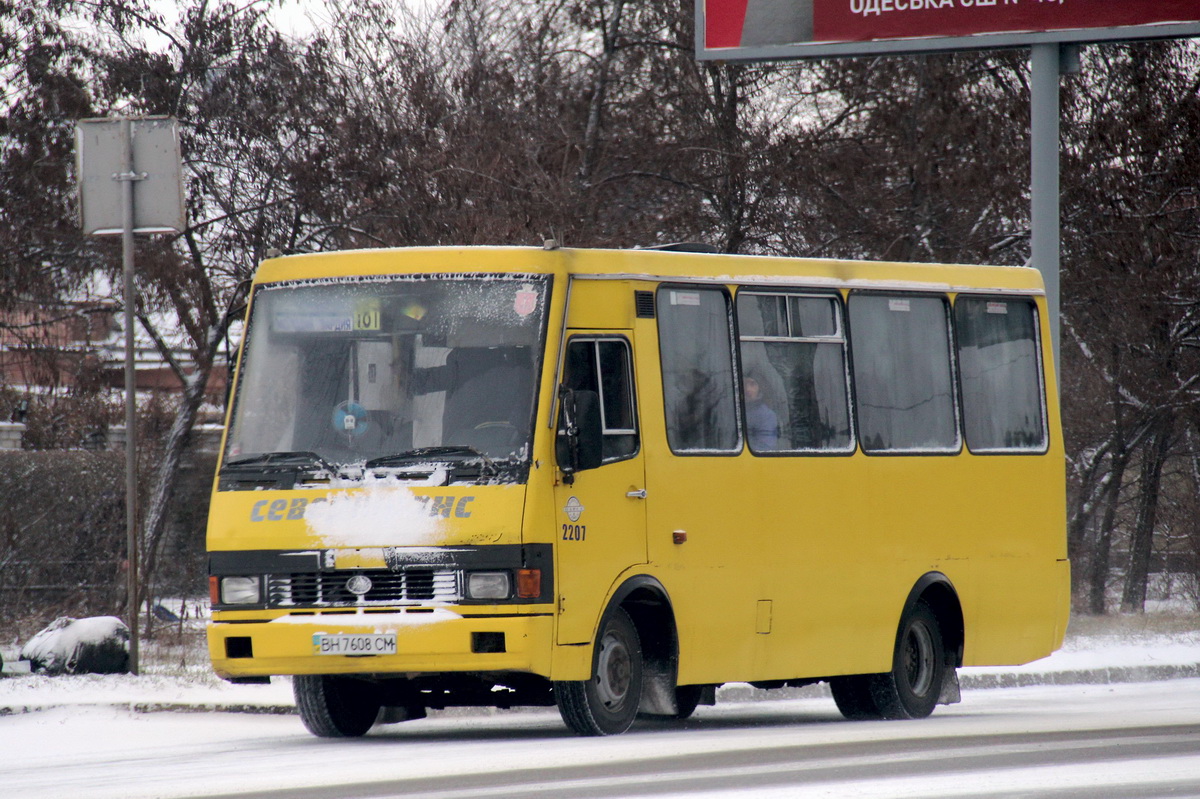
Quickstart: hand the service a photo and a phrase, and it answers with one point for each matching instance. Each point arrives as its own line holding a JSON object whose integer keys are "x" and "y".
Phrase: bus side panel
{"x": 718, "y": 574}
{"x": 996, "y": 516}
{"x": 1023, "y": 575}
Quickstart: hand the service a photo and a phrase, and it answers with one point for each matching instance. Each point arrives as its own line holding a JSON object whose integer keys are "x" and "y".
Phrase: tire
{"x": 336, "y": 707}
{"x": 853, "y": 697}
{"x": 608, "y": 703}
{"x": 912, "y": 688}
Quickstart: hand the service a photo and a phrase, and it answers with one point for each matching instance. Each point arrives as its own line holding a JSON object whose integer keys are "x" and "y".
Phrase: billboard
{"x": 770, "y": 29}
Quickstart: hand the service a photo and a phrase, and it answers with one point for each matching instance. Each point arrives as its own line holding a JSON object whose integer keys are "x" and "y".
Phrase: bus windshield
{"x": 391, "y": 372}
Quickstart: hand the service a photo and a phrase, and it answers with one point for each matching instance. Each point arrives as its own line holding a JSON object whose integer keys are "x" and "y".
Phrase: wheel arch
{"x": 939, "y": 593}
{"x": 649, "y": 606}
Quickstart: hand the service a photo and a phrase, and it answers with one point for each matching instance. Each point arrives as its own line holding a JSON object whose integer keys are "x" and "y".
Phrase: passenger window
{"x": 696, "y": 346}
{"x": 900, "y": 347}
{"x": 1000, "y": 374}
{"x": 605, "y": 367}
{"x": 794, "y": 377}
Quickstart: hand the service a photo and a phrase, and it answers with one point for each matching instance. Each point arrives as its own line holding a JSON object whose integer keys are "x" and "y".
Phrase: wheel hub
{"x": 918, "y": 659}
{"x": 613, "y": 672}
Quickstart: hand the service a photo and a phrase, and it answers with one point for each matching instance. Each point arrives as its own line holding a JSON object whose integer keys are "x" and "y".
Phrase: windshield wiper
{"x": 282, "y": 461}
{"x": 275, "y": 470}
{"x": 447, "y": 455}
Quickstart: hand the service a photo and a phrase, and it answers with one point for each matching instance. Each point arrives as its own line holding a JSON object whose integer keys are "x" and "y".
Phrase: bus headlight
{"x": 241, "y": 590}
{"x": 488, "y": 585}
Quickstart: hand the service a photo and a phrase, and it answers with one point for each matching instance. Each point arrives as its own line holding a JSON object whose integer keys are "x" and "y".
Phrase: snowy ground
{"x": 1070, "y": 742}
{"x": 96, "y": 737}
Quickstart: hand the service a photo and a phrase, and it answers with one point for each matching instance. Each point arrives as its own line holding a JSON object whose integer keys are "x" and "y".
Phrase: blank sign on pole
{"x": 157, "y": 175}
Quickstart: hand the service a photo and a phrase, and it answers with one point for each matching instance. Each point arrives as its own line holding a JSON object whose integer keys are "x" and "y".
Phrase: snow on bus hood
{"x": 376, "y": 515}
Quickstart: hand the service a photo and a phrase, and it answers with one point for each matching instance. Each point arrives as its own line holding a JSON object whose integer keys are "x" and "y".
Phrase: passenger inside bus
{"x": 762, "y": 423}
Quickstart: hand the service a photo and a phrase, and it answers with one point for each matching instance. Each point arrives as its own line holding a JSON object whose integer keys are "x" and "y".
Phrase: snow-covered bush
{"x": 99, "y": 645}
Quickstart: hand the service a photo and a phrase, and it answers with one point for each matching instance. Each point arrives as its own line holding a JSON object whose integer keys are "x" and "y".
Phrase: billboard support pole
{"x": 126, "y": 177}
{"x": 1044, "y": 217}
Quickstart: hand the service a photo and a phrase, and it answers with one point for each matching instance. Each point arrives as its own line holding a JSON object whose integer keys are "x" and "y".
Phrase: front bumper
{"x": 429, "y": 641}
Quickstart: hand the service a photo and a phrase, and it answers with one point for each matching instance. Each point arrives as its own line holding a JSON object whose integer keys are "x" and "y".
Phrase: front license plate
{"x": 366, "y": 644}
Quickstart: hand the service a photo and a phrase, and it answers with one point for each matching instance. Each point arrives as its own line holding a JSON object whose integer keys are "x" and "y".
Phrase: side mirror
{"x": 579, "y": 445}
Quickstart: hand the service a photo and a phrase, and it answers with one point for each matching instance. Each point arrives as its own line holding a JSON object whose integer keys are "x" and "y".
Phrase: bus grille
{"x": 329, "y": 589}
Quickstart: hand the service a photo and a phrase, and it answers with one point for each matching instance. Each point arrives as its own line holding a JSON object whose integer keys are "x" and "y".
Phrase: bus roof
{"x": 650, "y": 265}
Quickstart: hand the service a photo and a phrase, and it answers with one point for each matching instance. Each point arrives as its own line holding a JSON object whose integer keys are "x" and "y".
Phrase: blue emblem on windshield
{"x": 350, "y": 418}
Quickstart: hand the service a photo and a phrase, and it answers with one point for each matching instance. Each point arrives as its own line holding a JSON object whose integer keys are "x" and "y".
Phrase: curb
{"x": 1097, "y": 676}
{"x": 1107, "y": 675}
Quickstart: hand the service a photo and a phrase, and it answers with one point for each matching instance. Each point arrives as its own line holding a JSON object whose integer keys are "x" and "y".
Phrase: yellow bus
{"x": 613, "y": 481}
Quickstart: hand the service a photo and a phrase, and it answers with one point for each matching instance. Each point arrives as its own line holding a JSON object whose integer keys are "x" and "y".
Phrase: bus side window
{"x": 604, "y": 366}
{"x": 793, "y": 350}
{"x": 1000, "y": 372}
{"x": 696, "y": 343}
{"x": 904, "y": 394}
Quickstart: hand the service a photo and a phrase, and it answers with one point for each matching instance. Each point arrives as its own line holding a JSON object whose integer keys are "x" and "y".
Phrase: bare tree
{"x": 1131, "y": 296}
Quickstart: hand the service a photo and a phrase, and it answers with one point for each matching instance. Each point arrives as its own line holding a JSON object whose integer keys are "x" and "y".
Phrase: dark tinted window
{"x": 695, "y": 342}
{"x": 604, "y": 366}
{"x": 793, "y": 372}
{"x": 1000, "y": 374}
{"x": 902, "y": 373}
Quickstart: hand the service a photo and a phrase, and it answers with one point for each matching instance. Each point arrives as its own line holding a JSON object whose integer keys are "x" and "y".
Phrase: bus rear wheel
{"x": 912, "y": 688}
{"x": 608, "y": 703}
{"x": 336, "y": 707}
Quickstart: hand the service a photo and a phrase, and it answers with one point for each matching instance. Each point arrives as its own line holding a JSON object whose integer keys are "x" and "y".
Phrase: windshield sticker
{"x": 903, "y": 306}
{"x": 287, "y": 320}
{"x": 525, "y": 301}
{"x": 685, "y": 298}
{"x": 997, "y": 307}
{"x": 367, "y": 315}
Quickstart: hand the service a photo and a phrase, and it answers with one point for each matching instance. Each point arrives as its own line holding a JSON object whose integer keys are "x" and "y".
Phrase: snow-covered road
{"x": 1133, "y": 739}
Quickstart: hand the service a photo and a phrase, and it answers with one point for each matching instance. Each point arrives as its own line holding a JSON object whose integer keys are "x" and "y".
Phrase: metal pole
{"x": 126, "y": 177}
{"x": 1044, "y": 206}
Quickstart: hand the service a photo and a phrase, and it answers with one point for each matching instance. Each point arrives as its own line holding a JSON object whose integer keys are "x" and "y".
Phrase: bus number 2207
{"x": 574, "y": 532}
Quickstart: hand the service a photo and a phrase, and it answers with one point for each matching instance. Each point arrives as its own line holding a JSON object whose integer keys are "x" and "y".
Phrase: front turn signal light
{"x": 529, "y": 583}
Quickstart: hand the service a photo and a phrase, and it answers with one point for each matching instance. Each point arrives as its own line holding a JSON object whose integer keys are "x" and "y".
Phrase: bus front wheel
{"x": 608, "y": 703}
{"x": 912, "y": 688}
{"x": 336, "y": 707}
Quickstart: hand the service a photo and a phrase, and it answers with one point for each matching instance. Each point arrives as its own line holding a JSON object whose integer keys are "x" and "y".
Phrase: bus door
{"x": 600, "y": 517}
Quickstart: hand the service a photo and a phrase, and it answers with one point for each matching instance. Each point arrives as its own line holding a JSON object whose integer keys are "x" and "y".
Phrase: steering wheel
{"x": 503, "y": 433}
